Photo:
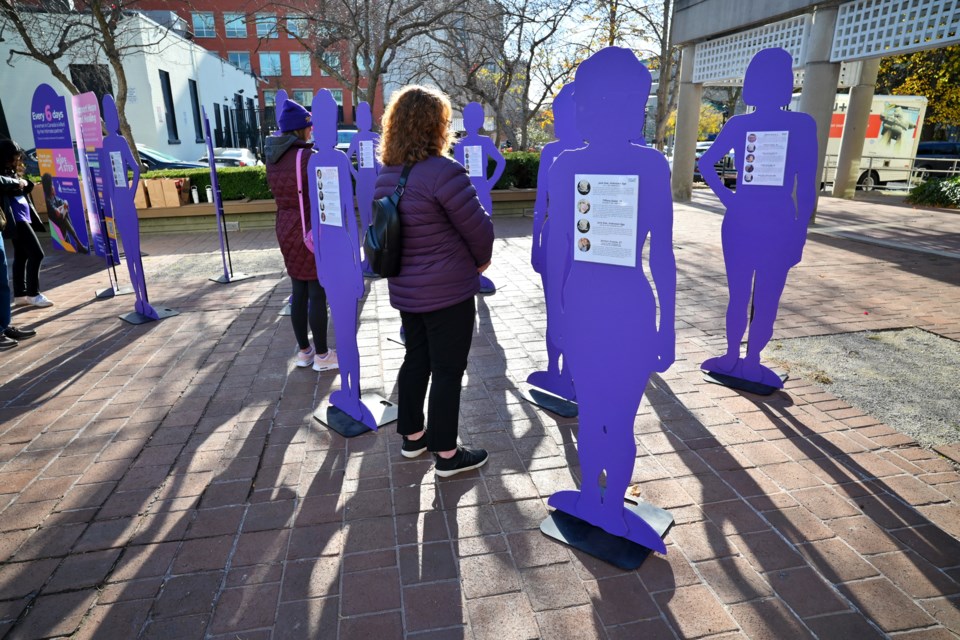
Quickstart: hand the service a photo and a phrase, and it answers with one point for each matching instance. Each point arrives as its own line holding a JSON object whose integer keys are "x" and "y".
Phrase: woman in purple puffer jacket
{"x": 447, "y": 241}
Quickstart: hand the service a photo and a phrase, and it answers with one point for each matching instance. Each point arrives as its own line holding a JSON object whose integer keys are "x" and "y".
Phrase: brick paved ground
{"x": 167, "y": 481}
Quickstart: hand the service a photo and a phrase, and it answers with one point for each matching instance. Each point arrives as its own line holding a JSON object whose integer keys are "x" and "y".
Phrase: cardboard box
{"x": 154, "y": 192}
{"x": 140, "y": 198}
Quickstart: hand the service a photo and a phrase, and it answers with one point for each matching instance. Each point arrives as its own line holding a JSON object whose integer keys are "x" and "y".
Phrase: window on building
{"x": 170, "y": 115}
{"x": 332, "y": 60}
{"x": 267, "y": 25}
{"x": 203, "y": 26}
{"x": 303, "y": 96}
{"x": 197, "y": 115}
{"x": 337, "y": 95}
{"x": 300, "y": 64}
{"x": 296, "y": 26}
{"x": 270, "y": 98}
{"x": 240, "y": 59}
{"x": 270, "y": 63}
{"x": 235, "y": 25}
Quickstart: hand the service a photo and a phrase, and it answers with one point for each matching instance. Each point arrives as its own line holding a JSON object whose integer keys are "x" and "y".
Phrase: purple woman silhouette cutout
{"x": 765, "y": 225}
{"x": 115, "y": 161}
{"x": 337, "y": 250}
{"x": 278, "y": 101}
{"x": 364, "y": 147}
{"x": 554, "y": 379}
{"x": 609, "y": 331}
{"x": 473, "y": 151}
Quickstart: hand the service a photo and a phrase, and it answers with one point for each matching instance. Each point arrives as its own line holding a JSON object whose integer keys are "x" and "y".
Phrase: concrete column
{"x": 820, "y": 77}
{"x": 855, "y": 130}
{"x": 688, "y": 121}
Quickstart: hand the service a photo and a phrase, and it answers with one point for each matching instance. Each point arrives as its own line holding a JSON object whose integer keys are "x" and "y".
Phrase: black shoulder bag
{"x": 381, "y": 242}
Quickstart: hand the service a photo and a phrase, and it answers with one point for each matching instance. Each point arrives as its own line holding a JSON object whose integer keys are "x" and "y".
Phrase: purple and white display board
{"x": 765, "y": 224}
{"x": 363, "y": 148}
{"x": 334, "y": 226}
{"x": 556, "y": 379}
{"x": 59, "y": 174}
{"x": 616, "y": 327}
{"x": 119, "y": 190}
{"x": 86, "y": 120}
{"x": 474, "y": 151}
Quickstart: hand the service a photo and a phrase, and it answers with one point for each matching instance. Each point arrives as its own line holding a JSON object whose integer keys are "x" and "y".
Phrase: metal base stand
{"x": 549, "y": 401}
{"x": 237, "y": 277}
{"x": 382, "y": 410}
{"x": 749, "y": 386}
{"x": 105, "y": 294}
{"x": 135, "y": 317}
{"x": 596, "y": 542}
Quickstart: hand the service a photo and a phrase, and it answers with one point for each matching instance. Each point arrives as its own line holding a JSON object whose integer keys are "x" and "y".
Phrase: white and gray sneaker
{"x": 39, "y": 300}
{"x": 326, "y": 362}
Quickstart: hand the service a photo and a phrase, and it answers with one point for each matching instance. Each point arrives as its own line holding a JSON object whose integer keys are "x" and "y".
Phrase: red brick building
{"x": 261, "y": 42}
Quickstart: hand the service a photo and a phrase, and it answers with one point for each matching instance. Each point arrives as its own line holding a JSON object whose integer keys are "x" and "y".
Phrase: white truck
{"x": 893, "y": 133}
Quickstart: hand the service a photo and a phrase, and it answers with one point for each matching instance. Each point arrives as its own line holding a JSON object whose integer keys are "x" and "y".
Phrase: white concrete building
{"x": 169, "y": 79}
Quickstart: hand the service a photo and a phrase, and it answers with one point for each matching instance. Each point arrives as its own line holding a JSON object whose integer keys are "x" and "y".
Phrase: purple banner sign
{"x": 86, "y": 119}
{"x": 58, "y": 170}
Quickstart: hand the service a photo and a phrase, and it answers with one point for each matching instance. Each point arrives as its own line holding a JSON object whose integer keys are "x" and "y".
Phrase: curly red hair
{"x": 416, "y": 125}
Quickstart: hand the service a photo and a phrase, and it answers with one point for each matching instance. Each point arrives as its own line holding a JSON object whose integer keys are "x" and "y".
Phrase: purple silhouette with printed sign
{"x": 555, "y": 379}
{"x": 765, "y": 224}
{"x": 116, "y": 161}
{"x": 474, "y": 151}
{"x": 609, "y": 331}
{"x": 337, "y": 250}
{"x": 364, "y": 147}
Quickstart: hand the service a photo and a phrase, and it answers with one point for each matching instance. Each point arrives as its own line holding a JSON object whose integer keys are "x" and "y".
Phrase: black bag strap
{"x": 403, "y": 181}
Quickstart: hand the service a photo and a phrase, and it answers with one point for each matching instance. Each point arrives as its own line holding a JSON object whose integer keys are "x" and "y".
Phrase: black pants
{"x": 27, "y": 256}
{"x": 438, "y": 343}
{"x": 315, "y": 312}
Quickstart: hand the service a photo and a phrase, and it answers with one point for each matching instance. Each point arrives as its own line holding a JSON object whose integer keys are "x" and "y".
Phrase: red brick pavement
{"x": 167, "y": 480}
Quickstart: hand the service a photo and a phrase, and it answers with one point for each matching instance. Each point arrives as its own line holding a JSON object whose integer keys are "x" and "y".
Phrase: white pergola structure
{"x": 833, "y": 44}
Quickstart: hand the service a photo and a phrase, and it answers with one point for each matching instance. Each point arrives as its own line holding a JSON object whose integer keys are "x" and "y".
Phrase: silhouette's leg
{"x": 766, "y": 300}
{"x": 739, "y": 280}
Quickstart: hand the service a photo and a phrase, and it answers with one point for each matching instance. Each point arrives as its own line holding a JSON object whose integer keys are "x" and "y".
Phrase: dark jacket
{"x": 281, "y": 155}
{"x": 9, "y": 189}
{"x": 445, "y": 235}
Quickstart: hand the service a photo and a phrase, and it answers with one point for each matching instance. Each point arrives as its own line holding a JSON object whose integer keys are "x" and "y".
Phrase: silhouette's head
{"x": 278, "y": 101}
{"x": 110, "y": 116}
{"x": 324, "y": 119}
{"x": 565, "y": 114}
{"x": 364, "y": 117}
{"x": 473, "y": 117}
{"x": 768, "y": 81}
{"x": 612, "y": 88}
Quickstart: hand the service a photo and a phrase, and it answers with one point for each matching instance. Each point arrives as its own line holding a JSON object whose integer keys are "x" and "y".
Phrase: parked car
{"x": 154, "y": 160}
{"x": 344, "y": 138}
{"x": 937, "y": 160}
{"x": 151, "y": 158}
{"x": 726, "y": 168}
{"x": 232, "y": 157}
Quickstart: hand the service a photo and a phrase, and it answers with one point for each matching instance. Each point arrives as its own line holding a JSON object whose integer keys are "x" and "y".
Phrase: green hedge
{"x": 236, "y": 183}
{"x": 240, "y": 183}
{"x": 936, "y": 193}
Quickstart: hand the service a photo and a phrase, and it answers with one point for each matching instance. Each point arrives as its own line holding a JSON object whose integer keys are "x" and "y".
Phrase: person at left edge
{"x": 11, "y": 187}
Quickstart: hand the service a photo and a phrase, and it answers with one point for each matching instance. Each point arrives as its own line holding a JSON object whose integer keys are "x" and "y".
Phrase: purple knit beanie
{"x": 293, "y": 117}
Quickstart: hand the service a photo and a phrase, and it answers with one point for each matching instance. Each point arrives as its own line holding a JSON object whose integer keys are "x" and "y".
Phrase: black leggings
{"x": 315, "y": 312}
{"x": 27, "y": 256}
